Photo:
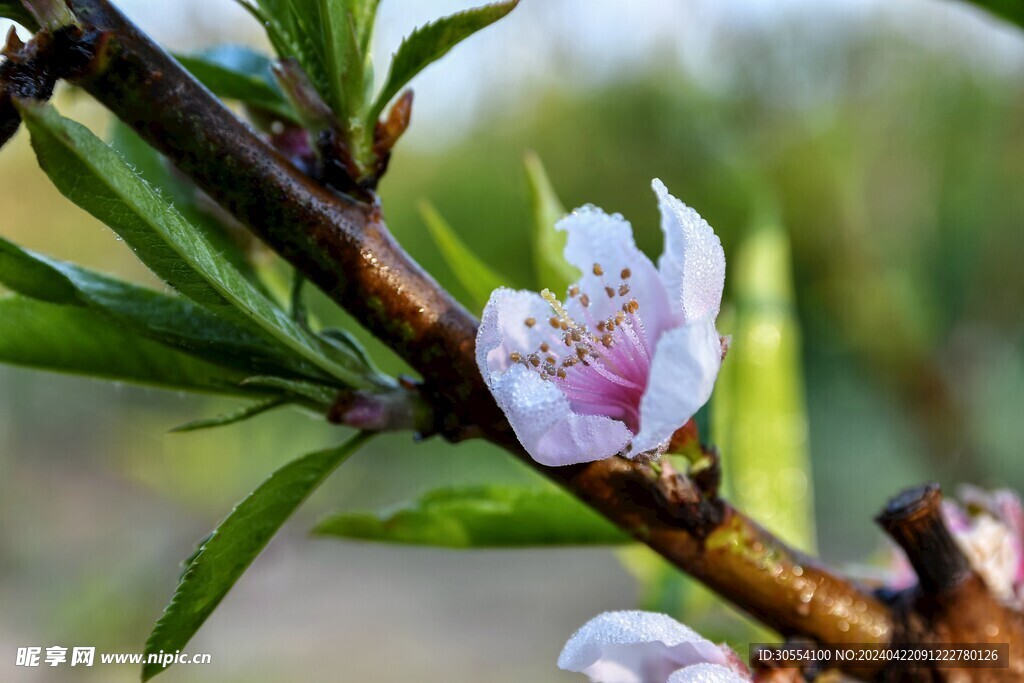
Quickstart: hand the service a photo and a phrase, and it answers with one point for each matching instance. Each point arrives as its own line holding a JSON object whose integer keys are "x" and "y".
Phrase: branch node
{"x": 913, "y": 518}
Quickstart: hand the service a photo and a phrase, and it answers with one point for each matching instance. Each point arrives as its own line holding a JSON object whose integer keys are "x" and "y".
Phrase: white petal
{"x": 547, "y": 428}
{"x": 539, "y": 413}
{"x": 503, "y": 329}
{"x": 693, "y": 263}
{"x": 683, "y": 373}
{"x": 707, "y": 673}
{"x": 598, "y": 238}
{"x": 635, "y": 647}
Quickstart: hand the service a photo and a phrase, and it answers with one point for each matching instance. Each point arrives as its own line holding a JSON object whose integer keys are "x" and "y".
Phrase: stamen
{"x": 556, "y": 305}
{"x": 530, "y": 322}
{"x": 625, "y": 273}
{"x": 585, "y": 301}
{"x": 623, "y": 289}
{"x": 554, "y": 320}
{"x": 515, "y": 356}
{"x": 609, "y": 291}
{"x": 544, "y": 347}
{"x": 574, "y": 291}
{"x": 598, "y": 270}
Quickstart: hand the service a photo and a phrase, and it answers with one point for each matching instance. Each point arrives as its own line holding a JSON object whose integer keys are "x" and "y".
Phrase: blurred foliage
{"x": 759, "y": 418}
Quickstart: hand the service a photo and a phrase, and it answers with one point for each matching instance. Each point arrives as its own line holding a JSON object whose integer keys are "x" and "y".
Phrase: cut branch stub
{"x": 914, "y": 520}
{"x": 31, "y": 70}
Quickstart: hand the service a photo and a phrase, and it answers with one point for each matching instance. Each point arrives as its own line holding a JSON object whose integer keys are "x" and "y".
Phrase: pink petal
{"x": 596, "y": 238}
{"x": 683, "y": 374}
{"x": 707, "y": 673}
{"x": 693, "y": 263}
{"x": 635, "y": 647}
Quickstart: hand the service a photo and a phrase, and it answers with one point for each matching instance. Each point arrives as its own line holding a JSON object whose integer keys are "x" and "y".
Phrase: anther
{"x": 598, "y": 270}
{"x": 515, "y": 356}
{"x": 544, "y": 347}
{"x": 609, "y": 291}
{"x": 607, "y": 341}
{"x": 560, "y": 373}
{"x": 585, "y": 300}
{"x": 530, "y": 322}
{"x": 554, "y": 321}
{"x": 574, "y": 291}
{"x": 534, "y": 360}
{"x": 623, "y": 289}
{"x": 625, "y": 273}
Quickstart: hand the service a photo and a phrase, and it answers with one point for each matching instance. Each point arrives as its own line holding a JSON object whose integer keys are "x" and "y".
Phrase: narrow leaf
{"x": 79, "y": 341}
{"x": 170, "y": 319}
{"x": 553, "y": 271}
{"x": 240, "y": 415}
{"x": 237, "y": 73}
{"x": 316, "y": 394}
{"x": 429, "y": 43}
{"x": 188, "y": 199}
{"x": 472, "y": 273}
{"x": 481, "y": 517}
{"x": 95, "y": 177}
{"x": 759, "y": 419}
{"x": 235, "y": 544}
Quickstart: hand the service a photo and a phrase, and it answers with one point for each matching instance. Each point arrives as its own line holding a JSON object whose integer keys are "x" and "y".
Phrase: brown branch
{"x": 951, "y": 603}
{"x": 32, "y": 70}
{"x": 914, "y": 520}
{"x": 344, "y": 248}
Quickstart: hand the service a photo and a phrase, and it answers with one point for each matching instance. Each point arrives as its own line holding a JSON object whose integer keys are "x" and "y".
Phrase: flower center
{"x": 600, "y": 363}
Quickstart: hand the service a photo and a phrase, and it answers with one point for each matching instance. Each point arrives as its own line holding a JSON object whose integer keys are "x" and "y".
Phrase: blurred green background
{"x": 880, "y": 149}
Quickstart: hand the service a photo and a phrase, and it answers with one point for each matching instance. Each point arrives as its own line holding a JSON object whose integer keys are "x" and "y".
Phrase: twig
{"x": 914, "y": 520}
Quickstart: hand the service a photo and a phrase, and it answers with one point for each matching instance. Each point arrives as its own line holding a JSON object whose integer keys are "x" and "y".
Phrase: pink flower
{"x": 989, "y": 528}
{"x": 644, "y": 647}
{"x": 630, "y": 355}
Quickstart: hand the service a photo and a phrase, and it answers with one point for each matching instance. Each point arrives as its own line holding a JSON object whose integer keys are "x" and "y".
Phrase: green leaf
{"x": 342, "y": 57}
{"x": 1010, "y": 10}
{"x": 330, "y": 40}
{"x": 235, "y": 544}
{"x": 168, "y": 319}
{"x": 233, "y": 72}
{"x": 188, "y": 199}
{"x": 95, "y": 177}
{"x": 481, "y": 517}
{"x": 759, "y": 419}
{"x": 240, "y": 415}
{"x": 316, "y": 394}
{"x": 79, "y": 341}
{"x": 553, "y": 271}
{"x": 429, "y": 43}
{"x": 289, "y": 28}
{"x": 472, "y": 273}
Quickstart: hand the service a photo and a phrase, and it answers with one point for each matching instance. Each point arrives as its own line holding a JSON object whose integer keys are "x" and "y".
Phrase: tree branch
{"x": 343, "y": 247}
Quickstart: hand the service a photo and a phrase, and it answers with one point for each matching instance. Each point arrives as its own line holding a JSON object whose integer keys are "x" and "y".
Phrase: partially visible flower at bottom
{"x": 646, "y": 647}
{"x": 989, "y": 528}
{"x": 629, "y": 356}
